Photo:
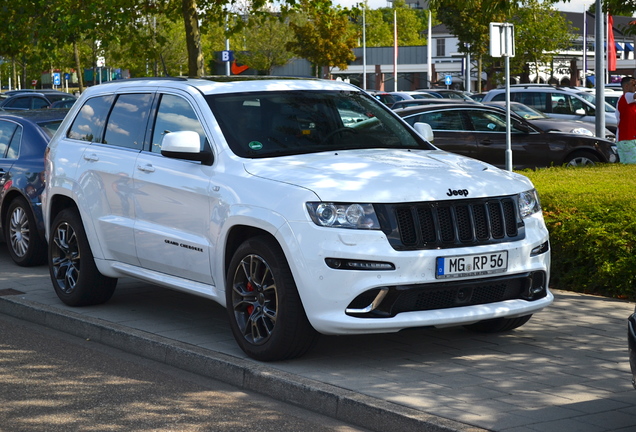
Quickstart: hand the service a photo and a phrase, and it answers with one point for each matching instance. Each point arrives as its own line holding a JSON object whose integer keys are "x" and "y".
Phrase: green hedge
{"x": 591, "y": 216}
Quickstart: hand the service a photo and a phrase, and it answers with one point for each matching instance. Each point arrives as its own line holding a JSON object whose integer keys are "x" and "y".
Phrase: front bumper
{"x": 631, "y": 338}
{"x": 335, "y": 299}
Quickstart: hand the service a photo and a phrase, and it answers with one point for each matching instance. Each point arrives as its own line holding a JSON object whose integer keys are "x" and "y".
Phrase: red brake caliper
{"x": 250, "y": 288}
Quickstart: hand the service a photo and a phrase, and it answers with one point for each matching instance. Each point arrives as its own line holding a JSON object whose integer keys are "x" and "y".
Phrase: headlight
{"x": 343, "y": 215}
{"x": 582, "y": 131}
{"x": 529, "y": 203}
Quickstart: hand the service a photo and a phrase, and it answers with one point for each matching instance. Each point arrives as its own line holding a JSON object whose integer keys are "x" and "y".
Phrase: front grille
{"x": 443, "y": 295}
{"x": 446, "y": 224}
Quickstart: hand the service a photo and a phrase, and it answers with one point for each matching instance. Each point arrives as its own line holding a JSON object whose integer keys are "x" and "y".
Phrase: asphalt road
{"x": 51, "y": 381}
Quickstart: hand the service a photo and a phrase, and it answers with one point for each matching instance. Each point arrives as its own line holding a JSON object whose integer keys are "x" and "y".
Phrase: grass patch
{"x": 591, "y": 216}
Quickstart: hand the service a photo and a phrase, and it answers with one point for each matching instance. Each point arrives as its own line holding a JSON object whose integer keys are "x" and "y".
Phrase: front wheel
{"x": 498, "y": 325}
{"x": 582, "y": 159}
{"x": 266, "y": 315}
{"x": 26, "y": 246}
{"x": 75, "y": 277}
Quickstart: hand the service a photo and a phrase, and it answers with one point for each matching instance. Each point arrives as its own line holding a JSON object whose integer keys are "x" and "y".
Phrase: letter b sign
{"x": 227, "y": 56}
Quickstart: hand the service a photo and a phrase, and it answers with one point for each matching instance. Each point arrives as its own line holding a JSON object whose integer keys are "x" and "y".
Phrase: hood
{"x": 566, "y": 126}
{"x": 389, "y": 175}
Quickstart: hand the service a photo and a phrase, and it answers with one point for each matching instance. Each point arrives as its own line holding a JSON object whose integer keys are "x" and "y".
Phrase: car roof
{"x": 458, "y": 105}
{"x": 36, "y": 115}
{"x": 225, "y": 84}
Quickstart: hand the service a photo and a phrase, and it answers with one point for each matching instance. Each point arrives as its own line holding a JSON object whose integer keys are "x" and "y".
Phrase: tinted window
{"x": 441, "y": 120}
{"x": 19, "y": 102}
{"x": 7, "y": 129}
{"x": 484, "y": 121}
{"x": 40, "y": 103}
{"x": 128, "y": 120}
{"x": 173, "y": 115}
{"x": 89, "y": 122}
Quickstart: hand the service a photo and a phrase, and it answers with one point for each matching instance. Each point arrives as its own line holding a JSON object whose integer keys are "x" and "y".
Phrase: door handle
{"x": 146, "y": 168}
{"x": 91, "y": 158}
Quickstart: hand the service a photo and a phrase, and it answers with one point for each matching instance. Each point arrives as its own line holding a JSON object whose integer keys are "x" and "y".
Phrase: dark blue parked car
{"x": 23, "y": 139}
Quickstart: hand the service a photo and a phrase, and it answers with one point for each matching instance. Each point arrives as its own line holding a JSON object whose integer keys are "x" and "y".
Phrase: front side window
{"x": 128, "y": 120}
{"x": 277, "y": 123}
{"x": 483, "y": 121}
{"x": 174, "y": 115}
{"x": 90, "y": 121}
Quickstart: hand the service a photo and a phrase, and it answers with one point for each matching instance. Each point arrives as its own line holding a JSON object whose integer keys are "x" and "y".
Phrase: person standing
{"x": 626, "y": 119}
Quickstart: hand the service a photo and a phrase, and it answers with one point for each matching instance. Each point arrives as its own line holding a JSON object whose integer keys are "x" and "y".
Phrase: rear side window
{"x": 20, "y": 102}
{"x": 7, "y": 130}
{"x": 90, "y": 120}
{"x": 127, "y": 122}
{"x": 442, "y": 121}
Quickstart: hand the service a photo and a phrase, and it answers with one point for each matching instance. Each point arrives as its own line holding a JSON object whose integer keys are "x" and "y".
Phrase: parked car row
{"x": 30, "y": 99}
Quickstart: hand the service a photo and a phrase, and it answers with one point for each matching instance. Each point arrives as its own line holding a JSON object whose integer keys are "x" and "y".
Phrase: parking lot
{"x": 566, "y": 370}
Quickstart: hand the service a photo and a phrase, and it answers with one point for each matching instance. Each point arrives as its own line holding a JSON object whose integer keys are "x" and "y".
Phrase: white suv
{"x": 303, "y": 206}
{"x": 557, "y": 102}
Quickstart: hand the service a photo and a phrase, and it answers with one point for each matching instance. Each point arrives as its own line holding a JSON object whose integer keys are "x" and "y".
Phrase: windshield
{"x": 592, "y": 99}
{"x": 275, "y": 123}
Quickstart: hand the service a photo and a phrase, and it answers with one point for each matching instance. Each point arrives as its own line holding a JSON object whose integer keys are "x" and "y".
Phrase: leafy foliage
{"x": 591, "y": 216}
{"x": 325, "y": 37}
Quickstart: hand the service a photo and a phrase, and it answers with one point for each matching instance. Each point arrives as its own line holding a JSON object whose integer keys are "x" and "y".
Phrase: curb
{"x": 345, "y": 405}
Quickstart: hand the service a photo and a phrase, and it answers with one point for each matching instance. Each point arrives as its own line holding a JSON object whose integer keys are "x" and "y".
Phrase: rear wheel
{"x": 266, "y": 315}
{"x": 26, "y": 246}
{"x": 498, "y": 325}
{"x": 75, "y": 277}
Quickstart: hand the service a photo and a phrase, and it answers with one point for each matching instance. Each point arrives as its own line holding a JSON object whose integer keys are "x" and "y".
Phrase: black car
{"x": 24, "y": 136}
{"x": 551, "y": 124}
{"x": 479, "y": 132}
{"x": 631, "y": 337}
{"x": 21, "y": 100}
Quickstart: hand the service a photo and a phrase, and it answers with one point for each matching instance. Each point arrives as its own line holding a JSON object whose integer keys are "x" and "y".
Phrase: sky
{"x": 572, "y": 6}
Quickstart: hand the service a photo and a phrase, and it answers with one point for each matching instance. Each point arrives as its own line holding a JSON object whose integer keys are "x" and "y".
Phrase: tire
{"x": 581, "y": 159}
{"x": 75, "y": 277}
{"x": 26, "y": 245}
{"x": 499, "y": 325}
{"x": 266, "y": 315}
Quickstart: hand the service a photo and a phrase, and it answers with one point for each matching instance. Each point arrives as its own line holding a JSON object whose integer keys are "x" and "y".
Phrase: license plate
{"x": 471, "y": 265}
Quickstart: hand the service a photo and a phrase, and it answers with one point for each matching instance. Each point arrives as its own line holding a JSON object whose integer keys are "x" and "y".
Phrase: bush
{"x": 591, "y": 216}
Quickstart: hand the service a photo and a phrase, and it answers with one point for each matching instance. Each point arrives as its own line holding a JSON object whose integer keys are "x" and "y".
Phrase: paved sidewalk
{"x": 566, "y": 370}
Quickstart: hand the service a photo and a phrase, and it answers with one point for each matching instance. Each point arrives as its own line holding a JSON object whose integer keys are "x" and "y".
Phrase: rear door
{"x": 115, "y": 126}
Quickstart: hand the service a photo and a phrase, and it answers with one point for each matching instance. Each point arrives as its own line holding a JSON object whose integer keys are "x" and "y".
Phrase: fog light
{"x": 344, "y": 264}
{"x": 543, "y": 248}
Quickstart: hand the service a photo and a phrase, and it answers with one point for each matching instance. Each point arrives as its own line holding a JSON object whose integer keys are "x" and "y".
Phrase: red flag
{"x": 611, "y": 46}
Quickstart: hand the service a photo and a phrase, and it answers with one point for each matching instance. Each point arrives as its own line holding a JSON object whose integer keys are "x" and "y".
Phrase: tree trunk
{"x": 78, "y": 67}
{"x": 193, "y": 38}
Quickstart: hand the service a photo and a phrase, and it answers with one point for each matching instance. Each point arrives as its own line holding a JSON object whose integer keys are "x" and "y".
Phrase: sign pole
{"x": 502, "y": 44}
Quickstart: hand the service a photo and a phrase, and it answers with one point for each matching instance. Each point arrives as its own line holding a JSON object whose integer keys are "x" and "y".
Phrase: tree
{"x": 325, "y": 36}
{"x": 540, "y": 32}
{"x": 265, "y": 45}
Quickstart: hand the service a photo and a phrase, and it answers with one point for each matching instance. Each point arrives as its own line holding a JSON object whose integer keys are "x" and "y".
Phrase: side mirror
{"x": 425, "y": 130}
{"x": 185, "y": 145}
{"x": 581, "y": 112}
